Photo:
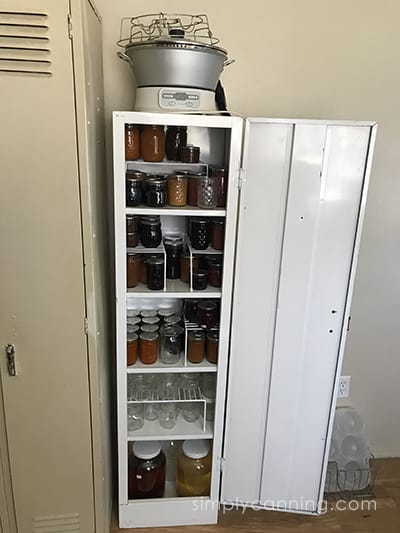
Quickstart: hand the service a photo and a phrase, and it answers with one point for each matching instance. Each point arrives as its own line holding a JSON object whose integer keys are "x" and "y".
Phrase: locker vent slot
{"x": 24, "y": 43}
{"x": 56, "y": 524}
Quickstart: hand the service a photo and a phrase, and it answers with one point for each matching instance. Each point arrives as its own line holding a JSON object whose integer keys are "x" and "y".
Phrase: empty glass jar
{"x": 206, "y": 192}
{"x": 171, "y": 344}
{"x": 135, "y": 416}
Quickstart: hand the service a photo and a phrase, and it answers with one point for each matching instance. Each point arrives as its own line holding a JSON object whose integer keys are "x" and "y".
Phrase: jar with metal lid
{"x": 177, "y": 190}
{"x": 156, "y": 192}
{"x": 152, "y": 320}
{"x": 173, "y": 250}
{"x": 153, "y": 143}
{"x": 132, "y": 223}
{"x": 146, "y": 470}
{"x": 132, "y": 328}
{"x": 194, "y": 469}
{"x": 186, "y": 267}
{"x": 150, "y": 232}
{"x": 132, "y": 239}
{"x": 149, "y": 328}
{"x": 192, "y": 189}
{"x": 212, "y": 347}
{"x": 215, "y": 273}
{"x": 175, "y": 137}
{"x": 171, "y": 343}
{"x": 221, "y": 185}
{"x": 190, "y": 310}
{"x": 132, "y": 269}
{"x": 217, "y": 233}
{"x": 155, "y": 273}
{"x": 200, "y": 280}
{"x": 164, "y": 313}
{"x": 189, "y": 154}
{"x": 148, "y": 348}
{"x": 206, "y": 192}
{"x": 133, "y": 320}
{"x": 200, "y": 233}
{"x": 133, "y": 188}
{"x": 132, "y": 142}
{"x": 207, "y": 313}
{"x": 196, "y": 346}
{"x": 132, "y": 348}
{"x": 173, "y": 320}
{"x": 146, "y": 313}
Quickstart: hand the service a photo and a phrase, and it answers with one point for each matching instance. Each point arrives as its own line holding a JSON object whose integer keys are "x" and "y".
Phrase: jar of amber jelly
{"x": 177, "y": 190}
{"x": 194, "y": 469}
{"x": 132, "y": 142}
{"x": 148, "y": 348}
{"x": 153, "y": 143}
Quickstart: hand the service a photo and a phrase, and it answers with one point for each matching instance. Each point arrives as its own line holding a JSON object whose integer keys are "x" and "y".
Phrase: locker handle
{"x": 10, "y": 351}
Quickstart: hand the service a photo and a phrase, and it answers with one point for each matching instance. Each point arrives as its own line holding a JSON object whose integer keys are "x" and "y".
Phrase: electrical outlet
{"x": 344, "y": 387}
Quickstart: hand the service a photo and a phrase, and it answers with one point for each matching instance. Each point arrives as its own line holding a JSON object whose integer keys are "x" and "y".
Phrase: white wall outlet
{"x": 344, "y": 387}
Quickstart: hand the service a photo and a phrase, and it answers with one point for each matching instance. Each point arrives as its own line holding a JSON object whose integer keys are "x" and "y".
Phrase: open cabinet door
{"x": 301, "y": 207}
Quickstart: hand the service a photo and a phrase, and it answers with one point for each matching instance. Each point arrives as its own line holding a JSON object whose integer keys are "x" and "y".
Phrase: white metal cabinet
{"x": 301, "y": 213}
{"x": 303, "y": 188}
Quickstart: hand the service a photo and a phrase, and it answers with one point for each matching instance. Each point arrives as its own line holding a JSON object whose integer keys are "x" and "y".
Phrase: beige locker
{"x": 55, "y": 446}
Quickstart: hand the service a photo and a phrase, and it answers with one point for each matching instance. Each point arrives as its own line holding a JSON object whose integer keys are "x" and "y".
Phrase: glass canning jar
{"x": 156, "y": 192}
{"x": 177, "y": 190}
{"x": 148, "y": 348}
{"x": 175, "y": 137}
{"x": 207, "y": 313}
{"x": 200, "y": 280}
{"x": 150, "y": 232}
{"x": 196, "y": 346}
{"x": 173, "y": 250}
{"x": 171, "y": 344}
{"x": 132, "y": 347}
{"x": 206, "y": 192}
{"x": 199, "y": 233}
{"x": 185, "y": 266}
{"x": 133, "y": 188}
{"x": 194, "y": 469}
{"x": 217, "y": 233}
{"x": 153, "y": 143}
{"x": 146, "y": 470}
{"x": 132, "y": 142}
{"x": 155, "y": 273}
{"x": 212, "y": 347}
{"x": 133, "y": 262}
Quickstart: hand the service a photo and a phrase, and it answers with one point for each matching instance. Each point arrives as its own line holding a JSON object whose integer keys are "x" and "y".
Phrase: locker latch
{"x": 10, "y": 351}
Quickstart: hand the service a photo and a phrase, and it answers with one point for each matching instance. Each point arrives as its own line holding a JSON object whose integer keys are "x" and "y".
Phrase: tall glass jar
{"x": 206, "y": 192}
{"x": 155, "y": 273}
{"x": 133, "y": 188}
{"x": 146, "y": 471}
{"x": 196, "y": 346}
{"x": 199, "y": 233}
{"x": 186, "y": 268}
{"x": 153, "y": 143}
{"x": 171, "y": 344}
{"x": 175, "y": 138}
{"x": 217, "y": 233}
{"x": 132, "y": 142}
{"x": 148, "y": 348}
{"x": 174, "y": 251}
{"x": 194, "y": 469}
{"x": 177, "y": 190}
{"x": 133, "y": 262}
{"x": 221, "y": 184}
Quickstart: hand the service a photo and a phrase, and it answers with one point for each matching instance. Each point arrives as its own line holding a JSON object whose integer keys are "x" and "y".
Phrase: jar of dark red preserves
{"x": 150, "y": 232}
{"x": 133, "y": 188}
{"x": 175, "y": 138}
{"x": 189, "y": 154}
{"x": 156, "y": 192}
{"x": 221, "y": 185}
{"x": 207, "y": 314}
{"x": 215, "y": 272}
{"x": 173, "y": 250}
{"x": 146, "y": 470}
{"x": 199, "y": 233}
{"x": 217, "y": 233}
{"x": 133, "y": 262}
{"x": 155, "y": 273}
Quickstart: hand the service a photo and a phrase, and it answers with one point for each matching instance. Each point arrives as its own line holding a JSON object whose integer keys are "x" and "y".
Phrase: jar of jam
{"x": 215, "y": 273}
{"x": 221, "y": 184}
{"x": 148, "y": 347}
{"x": 155, "y": 273}
{"x": 189, "y": 154}
{"x": 207, "y": 313}
{"x": 177, "y": 190}
{"x": 173, "y": 250}
{"x": 200, "y": 233}
{"x": 175, "y": 138}
{"x": 171, "y": 343}
{"x": 186, "y": 268}
{"x": 199, "y": 280}
{"x": 212, "y": 347}
{"x": 206, "y": 192}
{"x": 150, "y": 232}
{"x": 190, "y": 310}
{"x": 132, "y": 347}
{"x": 192, "y": 190}
{"x": 132, "y": 269}
{"x": 133, "y": 188}
{"x": 196, "y": 346}
{"x": 132, "y": 223}
{"x": 156, "y": 192}
{"x": 217, "y": 233}
{"x": 194, "y": 469}
{"x": 132, "y": 239}
{"x": 153, "y": 143}
{"x": 132, "y": 142}
{"x": 146, "y": 470}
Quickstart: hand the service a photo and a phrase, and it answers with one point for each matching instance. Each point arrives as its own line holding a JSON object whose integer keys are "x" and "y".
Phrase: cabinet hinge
{"x": 221, "y": 464}
{"x": 241, "y": 178}
{"x": 86, "y": 326}
{"x": 69, "y": 19}
{"x": 348, "y": 323}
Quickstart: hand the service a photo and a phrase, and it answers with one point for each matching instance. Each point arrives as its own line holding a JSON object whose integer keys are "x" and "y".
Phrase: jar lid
{"x": 173, "y": 237}
{"x": 166, "y": 312}
{"x": 218, "y": 220}
{"x": 148, "y": 312}
{"x": 213, "y": 336}
{"x": 150, "y": 320}
{"x": 196, "y": 449}
{"x": 174, "y": 319}
{"x": 156, "y": 182}
{"x": 155, "y": 261}
{"x": 217, "y": 172}
{"x": 132, "y": 312}
{"x": 177, "y": 176}
{"x": 148, "y": 336}
{"x": 199, "y": 220}
{"x": 175, "y": 245}
{"x": 133, "y": 320}
{"x": 134, "y": 179}
{"x": 132, "y": 336}
{"x": 133, "y": 254}
{"x": 132, "y": 329}
{"x": 135, "y": 174}
{"x": 200, "y": 274}
{"x": 171, "y": 330}
{"x": 150, "y": 222}
{"x": 146, "y": 449}
{"x": 190, "y": 149}
{"x": 196, "y": 335}
{"x": 149, "y": 328}
{"x": 207, "y": 304}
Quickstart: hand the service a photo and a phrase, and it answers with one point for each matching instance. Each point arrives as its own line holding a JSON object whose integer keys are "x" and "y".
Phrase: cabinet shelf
{"x": 175, "y": 288}
{"x": 186, "y": 211}
{"x": 151, "y": 166}
{"x": 159, "y": 368}
{"x": 181, "y": 431}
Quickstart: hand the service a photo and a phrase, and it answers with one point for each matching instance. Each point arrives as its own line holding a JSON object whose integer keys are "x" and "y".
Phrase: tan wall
{"x": 318, "y": 59}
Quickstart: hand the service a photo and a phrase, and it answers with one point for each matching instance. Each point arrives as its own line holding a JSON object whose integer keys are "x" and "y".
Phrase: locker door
{"x": 42, "y": 297}
{"x": 290, "y": 307}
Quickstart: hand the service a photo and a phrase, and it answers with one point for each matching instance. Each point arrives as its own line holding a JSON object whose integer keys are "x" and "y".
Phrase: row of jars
{"x": 149, "y": 467}
{"x": 202, "y": 231}
{"x": 178, "y": 189}
{"x": 152, "y": 143}
{"x": 156, "y": 395}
